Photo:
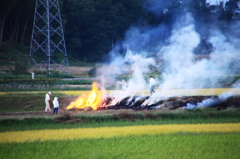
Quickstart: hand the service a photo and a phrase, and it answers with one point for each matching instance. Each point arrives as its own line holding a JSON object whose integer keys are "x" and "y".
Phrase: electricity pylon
{"x": 47, "y": 37}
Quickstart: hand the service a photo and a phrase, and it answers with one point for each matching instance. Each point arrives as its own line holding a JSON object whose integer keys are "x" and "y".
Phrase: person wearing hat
{"x": 47, "y": 99}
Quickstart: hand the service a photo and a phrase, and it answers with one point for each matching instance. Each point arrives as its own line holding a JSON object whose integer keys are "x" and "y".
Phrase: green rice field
{"x": 187, "y": 146}
{"x": 150, "y": 141}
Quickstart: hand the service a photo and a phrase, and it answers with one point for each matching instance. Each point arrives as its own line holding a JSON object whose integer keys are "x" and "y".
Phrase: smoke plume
{"x": 144, "y": 47}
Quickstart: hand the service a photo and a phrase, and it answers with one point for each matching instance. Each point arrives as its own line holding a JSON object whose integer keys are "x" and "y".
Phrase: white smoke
{"x": 216, "y": 2}
{"x": 132, "y": 63}
{"x": 210, "y": 101}
{"x": 180, "y": 70}
{"x": 178, "y": 56}
{"x": 205, "y": 103}
{"x": 183, "y": 72}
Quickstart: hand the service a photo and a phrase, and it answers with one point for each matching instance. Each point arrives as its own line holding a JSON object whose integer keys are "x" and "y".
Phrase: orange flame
{"x": 93, "y": 99}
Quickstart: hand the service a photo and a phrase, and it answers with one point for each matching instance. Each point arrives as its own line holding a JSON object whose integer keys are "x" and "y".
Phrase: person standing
{"x": 55, "y": 105}
{"x": 47, "y": 99}
{"x": 33, "y": 75}
{"x": 151, "y": 84}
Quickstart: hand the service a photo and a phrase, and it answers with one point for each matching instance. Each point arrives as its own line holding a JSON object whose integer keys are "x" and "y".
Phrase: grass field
{"x": 179, "y": 145}
{"x": 202, "y": 133}
{"x": 161, "y": 140}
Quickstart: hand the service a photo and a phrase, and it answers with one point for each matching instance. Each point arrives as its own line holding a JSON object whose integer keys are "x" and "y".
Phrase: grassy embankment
{"x": 120, "y": 119}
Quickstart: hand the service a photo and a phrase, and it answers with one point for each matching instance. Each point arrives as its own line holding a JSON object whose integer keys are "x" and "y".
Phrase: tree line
{"x": 92, "y": 27}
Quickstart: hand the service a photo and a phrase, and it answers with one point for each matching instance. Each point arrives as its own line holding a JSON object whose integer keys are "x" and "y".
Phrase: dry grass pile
{"x": 66, "y": 100}
{"x": 69, "y": 119}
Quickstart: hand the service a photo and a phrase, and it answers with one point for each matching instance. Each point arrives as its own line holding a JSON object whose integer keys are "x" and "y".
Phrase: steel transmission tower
{"x": 48, "y": 38}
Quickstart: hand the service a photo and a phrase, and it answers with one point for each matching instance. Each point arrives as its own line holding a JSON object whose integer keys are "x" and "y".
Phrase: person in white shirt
{"x": 33, "y": 75}
{"x": 151, "y": 84}
{"x": 47, "y": 99}
{"x": 55, "y": 105}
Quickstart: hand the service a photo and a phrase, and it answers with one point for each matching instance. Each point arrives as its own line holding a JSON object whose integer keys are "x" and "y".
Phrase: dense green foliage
{"x": 203, "y": 146}
{"x": 92, "y": 27}
{"x": 15, "y": 56}
{"x": 96, "y": 25}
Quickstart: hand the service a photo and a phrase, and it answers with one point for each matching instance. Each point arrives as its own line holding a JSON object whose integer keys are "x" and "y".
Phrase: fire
{"x": 93, "y": 99}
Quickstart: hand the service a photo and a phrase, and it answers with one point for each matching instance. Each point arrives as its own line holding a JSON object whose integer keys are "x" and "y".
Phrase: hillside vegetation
{"x": 92, "y": 27}
{"x": 14, "y": 59}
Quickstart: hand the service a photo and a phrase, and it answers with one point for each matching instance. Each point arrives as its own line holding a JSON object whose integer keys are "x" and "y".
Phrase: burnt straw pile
{"x": 181, "y": 102}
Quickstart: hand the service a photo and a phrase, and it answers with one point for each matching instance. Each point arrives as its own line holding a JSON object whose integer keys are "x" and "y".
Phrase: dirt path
{"x": 39, "y": 114}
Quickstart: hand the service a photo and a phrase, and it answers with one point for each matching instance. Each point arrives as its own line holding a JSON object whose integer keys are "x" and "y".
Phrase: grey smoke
{"x": 205, "y": 103}
{"x": 182, "y": 72}
{"x": 209, "y": 102}
{"x": 179, "y": 70}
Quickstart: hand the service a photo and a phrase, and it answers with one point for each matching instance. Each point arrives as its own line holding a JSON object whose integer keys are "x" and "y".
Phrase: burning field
{"x": 172, "y": 62}
{"x": 97, "y": 100}
{"x": 184, "y": 54}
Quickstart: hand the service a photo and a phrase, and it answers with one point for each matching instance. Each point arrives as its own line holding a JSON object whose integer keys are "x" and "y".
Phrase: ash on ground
{"x": 183, "y": 102}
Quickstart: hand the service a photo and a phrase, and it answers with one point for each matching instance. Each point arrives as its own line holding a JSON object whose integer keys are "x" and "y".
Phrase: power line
{"x": 48, "y": 38}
